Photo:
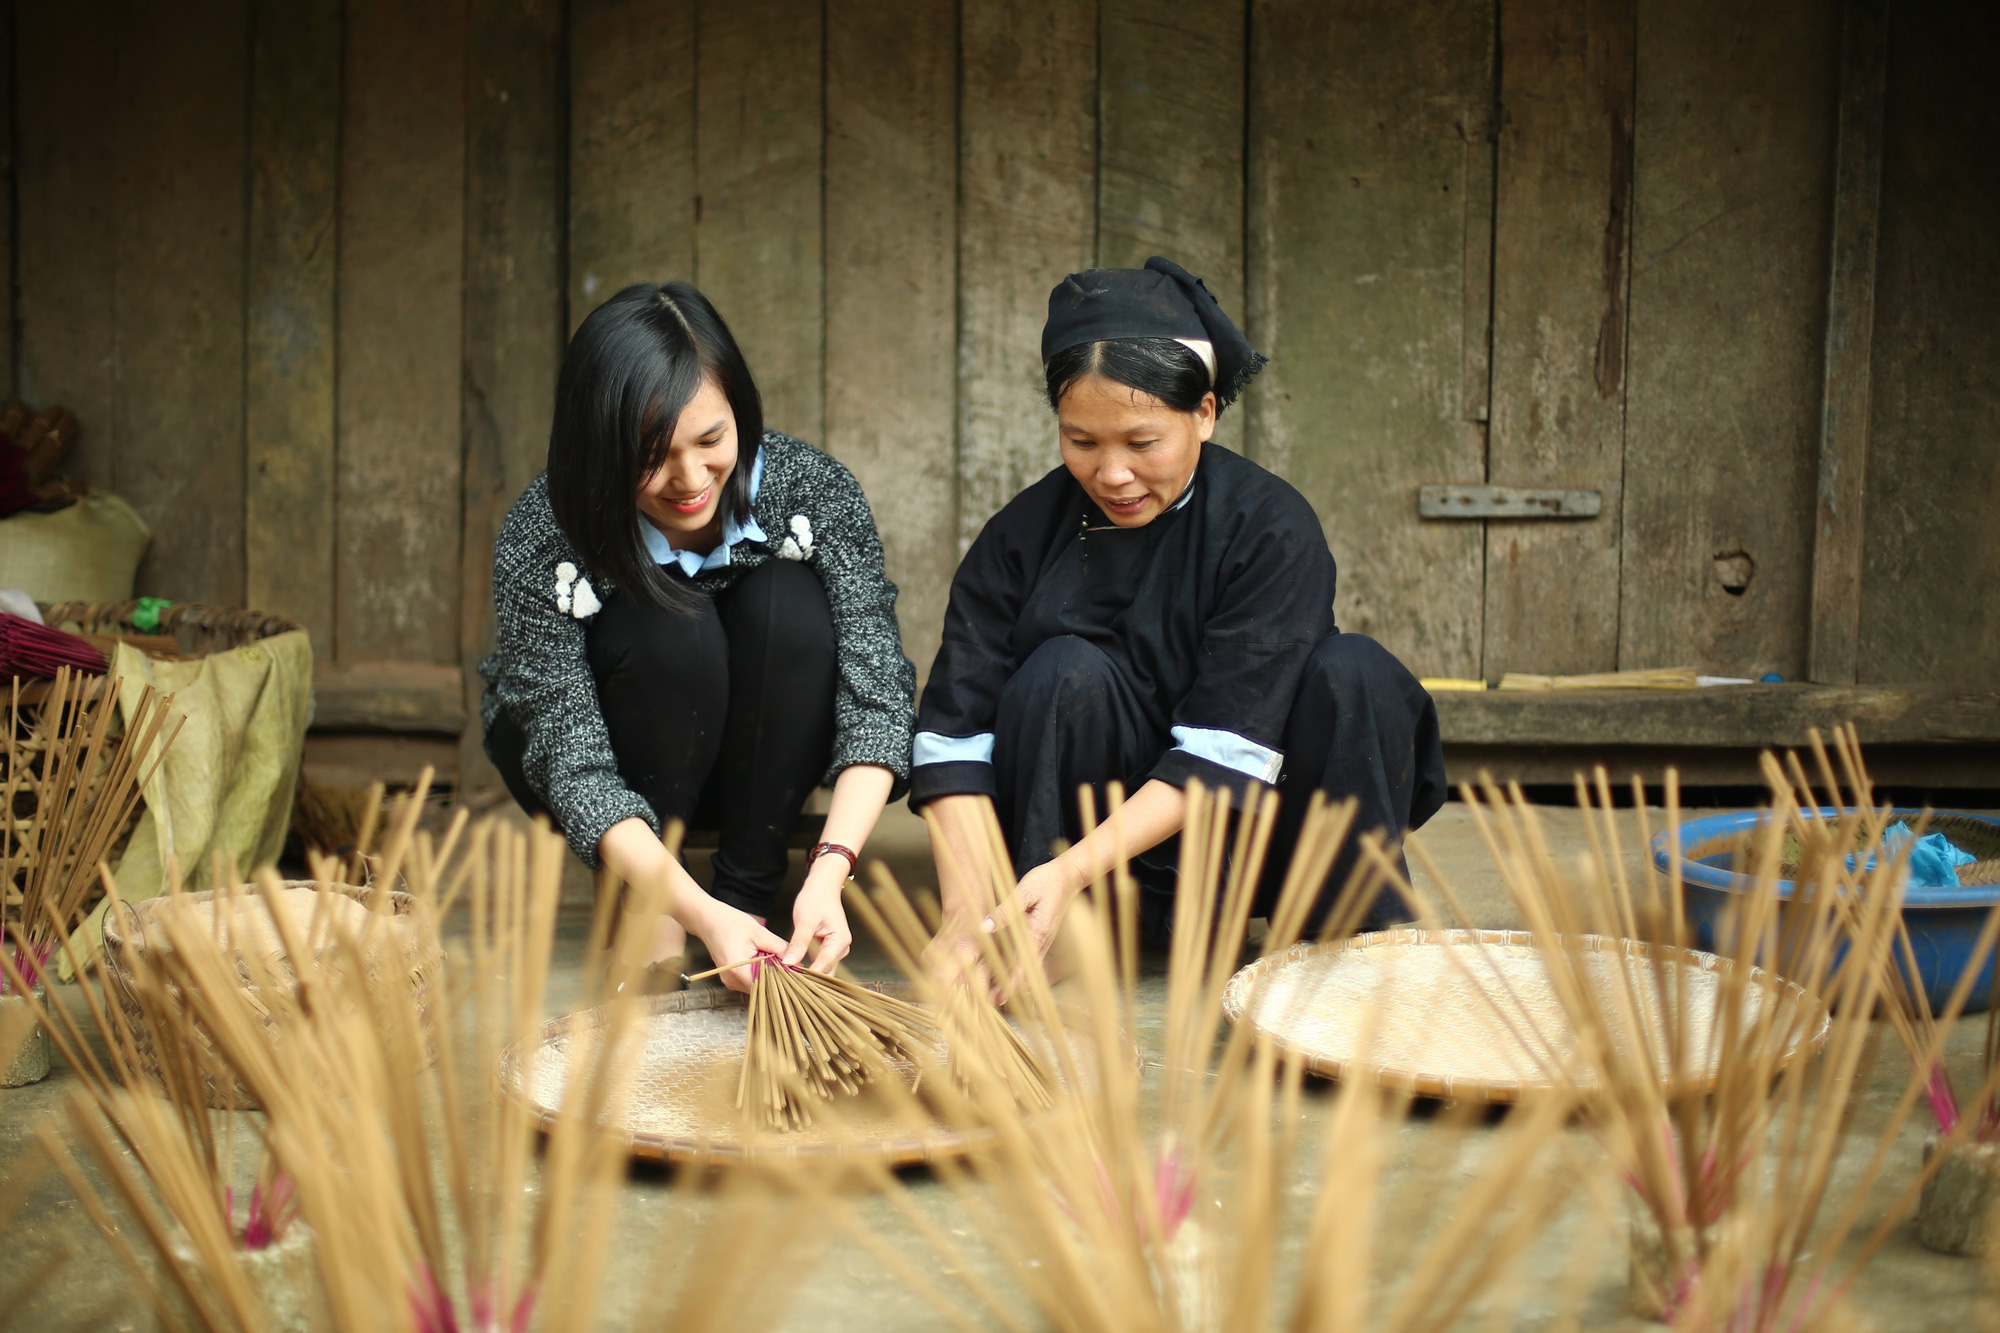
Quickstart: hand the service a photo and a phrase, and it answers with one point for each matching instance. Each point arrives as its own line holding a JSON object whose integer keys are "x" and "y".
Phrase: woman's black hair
{"x": 1163, "y": 367}
{"x": 631, "y": 368}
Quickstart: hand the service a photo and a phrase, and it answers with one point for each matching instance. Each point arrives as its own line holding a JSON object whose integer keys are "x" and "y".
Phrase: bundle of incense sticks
{"x": 813, "y": 1037}
{"x": 1727, "y": 1183}
{"x": 1142, "y": 1200}
{"x": 69, "y": 791}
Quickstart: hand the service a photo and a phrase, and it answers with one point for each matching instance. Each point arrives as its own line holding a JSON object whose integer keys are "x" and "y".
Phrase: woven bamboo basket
{"x": 424, "y": 958}
{"x": 1462, "y": 1014}
{"x": 198, "y": 630}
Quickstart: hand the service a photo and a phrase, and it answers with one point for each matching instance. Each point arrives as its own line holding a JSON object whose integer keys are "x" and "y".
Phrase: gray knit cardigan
{"x": 813, "y": 510}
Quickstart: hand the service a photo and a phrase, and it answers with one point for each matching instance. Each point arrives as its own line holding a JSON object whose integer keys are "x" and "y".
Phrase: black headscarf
{"x": 1161, "y": 300}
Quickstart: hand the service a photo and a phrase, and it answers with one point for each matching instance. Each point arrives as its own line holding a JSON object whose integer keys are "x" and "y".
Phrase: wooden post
{"x": 1839, "y": 512}
{"x": 1170, "y": 146}
{"x": 892, "y": 287}
{"x": 1560, "y": 279}
{"x": 760, "y": 132}
{"x": 513, "y": 297}
{"x": 1027, "y": 215}
{"x": 631, "y": 147}
{"x": 402, "y": 319}
{"x": 1360, "y": 221}
{"x": 288, "y": 389}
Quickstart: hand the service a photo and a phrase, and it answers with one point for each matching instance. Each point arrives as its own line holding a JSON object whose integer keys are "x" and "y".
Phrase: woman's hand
{"x": 733, "y": 936}
{"x": 818, "y": 915}
{"x": 1046, "y": 893}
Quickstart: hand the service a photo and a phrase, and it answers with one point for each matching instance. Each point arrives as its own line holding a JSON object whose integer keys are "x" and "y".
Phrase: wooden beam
{"x": 892, "y": 287}
{"x": 1730, "y": 715}
{"x": 1925, "y": 767}
{"x": 1027, "y": 216}
{"x": 1170, "y": 145}
{"x": 1840, "y": 505}
{"x": 760, "y": 129}
{"x": 1561, "y": 244}
{"x": 513, "y": 296}
{"x": 388, "y": 696}
{"x": 288, "y": 521}
{"x": 631, "y": 147}
{"x": 1361, "y": 216}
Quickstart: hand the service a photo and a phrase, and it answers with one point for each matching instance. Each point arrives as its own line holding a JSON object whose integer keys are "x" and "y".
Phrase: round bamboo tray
{"x": 425, "y": 959}
{"x": 1396, "y": 1007}
{"x": 682, "y": 1103}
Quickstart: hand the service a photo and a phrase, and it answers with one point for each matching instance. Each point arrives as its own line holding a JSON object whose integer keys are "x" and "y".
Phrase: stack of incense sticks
{"x": 1727, "y": 1184}
{"x": 1155, "y": 1196}
{"x": 813, "y": 1037}
{"x": 29, "y": 648}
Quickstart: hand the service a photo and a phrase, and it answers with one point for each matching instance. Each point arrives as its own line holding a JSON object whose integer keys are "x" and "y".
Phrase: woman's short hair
{"x": 630, "y": 370}
{"x": 1163, "y": 367}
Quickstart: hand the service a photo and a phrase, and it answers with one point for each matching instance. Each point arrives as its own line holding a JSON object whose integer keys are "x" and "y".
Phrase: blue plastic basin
{"x": 1944, "y": 924}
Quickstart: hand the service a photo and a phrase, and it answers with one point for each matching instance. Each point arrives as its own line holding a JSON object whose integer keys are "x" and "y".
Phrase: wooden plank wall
{"x": 304, "y": 272}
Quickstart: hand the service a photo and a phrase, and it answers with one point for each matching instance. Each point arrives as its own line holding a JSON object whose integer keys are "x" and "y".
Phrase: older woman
{"x": 1155, "y": 610}
{"x": 694, "y": 625}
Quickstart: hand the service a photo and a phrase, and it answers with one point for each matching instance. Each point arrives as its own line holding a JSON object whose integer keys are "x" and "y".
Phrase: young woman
{"x": 694, "y": 625}
{"x": 1154, "y": 610}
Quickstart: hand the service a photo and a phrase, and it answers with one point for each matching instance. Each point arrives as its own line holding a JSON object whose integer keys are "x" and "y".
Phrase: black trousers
{"x": 1360, "y": 726}
{"x": 722, "y": 719}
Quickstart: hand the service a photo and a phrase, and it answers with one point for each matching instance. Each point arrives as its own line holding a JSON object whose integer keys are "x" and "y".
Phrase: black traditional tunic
{"x": 1209, "y": 611}
{"x": 1201, "y": 645}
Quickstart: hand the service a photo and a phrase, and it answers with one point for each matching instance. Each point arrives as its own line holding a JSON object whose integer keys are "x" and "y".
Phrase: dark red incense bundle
{"x": 28, "y": 649}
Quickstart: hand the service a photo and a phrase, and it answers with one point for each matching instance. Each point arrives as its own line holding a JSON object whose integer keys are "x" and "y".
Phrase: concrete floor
{"x": 838, "y": 1287}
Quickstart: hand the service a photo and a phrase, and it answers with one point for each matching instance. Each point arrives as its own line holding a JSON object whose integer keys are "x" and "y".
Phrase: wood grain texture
{"x": 66, "y": 124}
{"x": 388, "y": 696}
{"x": 1027, "y": 216}
{"x": 1561, "y": 241}
{"x": 1928, "y": 609}
{"x": 401, "y": 322}
{"x": 1732, "y": 189}
{"x": 759, "y": 250}
{"x": 1736, "y": 715}
{"x": 177, "y": 417}
{"x": 891, "y": 287}
{"x": 631, "y": 146}
{"x": 1170, "y": 145}
{"x": 1839, "y": 512}
{"x": 1366, "y": 123}
{"x": 513, "y": 293}
{"x": 288, "y": 385}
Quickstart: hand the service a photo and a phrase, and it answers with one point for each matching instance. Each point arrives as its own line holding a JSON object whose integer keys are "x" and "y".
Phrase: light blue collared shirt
{"x": 694, "y": 562}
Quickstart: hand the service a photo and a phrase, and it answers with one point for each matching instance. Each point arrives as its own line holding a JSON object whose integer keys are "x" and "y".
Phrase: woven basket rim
{"x": 894, "y": 1150}
{"x": 401, "y": 904}
{"x": 235, "y": 624}
{"x": 1241, "y": 987}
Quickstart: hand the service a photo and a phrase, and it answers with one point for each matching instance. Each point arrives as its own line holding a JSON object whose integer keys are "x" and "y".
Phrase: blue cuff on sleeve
{"x": 931, "y": 747}
{"x": 1231, "y": 750}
